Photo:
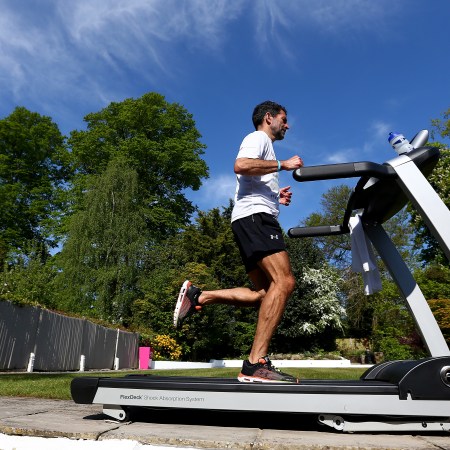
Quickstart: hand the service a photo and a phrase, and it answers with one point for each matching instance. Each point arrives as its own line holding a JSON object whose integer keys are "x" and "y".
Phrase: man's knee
{"x": 286, "y": 286}
{"x": 289, "y": 284}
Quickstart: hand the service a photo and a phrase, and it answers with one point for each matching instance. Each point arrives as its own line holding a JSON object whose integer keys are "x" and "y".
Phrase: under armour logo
{"x": 274, "y": 236}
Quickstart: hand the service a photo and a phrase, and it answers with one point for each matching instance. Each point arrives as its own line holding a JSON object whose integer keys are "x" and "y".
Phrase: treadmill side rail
{"x": 342, "y": 424}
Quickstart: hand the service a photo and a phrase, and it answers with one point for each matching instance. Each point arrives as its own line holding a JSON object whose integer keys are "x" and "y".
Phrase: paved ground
{"x": 58, "y": 418}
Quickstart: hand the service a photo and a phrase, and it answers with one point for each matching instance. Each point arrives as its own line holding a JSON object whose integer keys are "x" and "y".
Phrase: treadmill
{"x": 405, "y": 395}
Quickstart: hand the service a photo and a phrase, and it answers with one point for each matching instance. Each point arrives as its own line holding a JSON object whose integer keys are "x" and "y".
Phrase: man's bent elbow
{"x": 238, "y": 167}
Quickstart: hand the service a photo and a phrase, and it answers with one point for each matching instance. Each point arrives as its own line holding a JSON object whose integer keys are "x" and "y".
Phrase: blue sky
{"x": 348, "y": 72}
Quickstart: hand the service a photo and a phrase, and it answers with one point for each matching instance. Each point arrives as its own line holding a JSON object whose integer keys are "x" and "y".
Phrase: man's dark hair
{"x": 266, "y": 107}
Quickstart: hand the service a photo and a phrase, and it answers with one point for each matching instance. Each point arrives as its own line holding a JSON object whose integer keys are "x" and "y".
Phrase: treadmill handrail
{"x": 321, "y": 230}
{"x": 344, "y": 170}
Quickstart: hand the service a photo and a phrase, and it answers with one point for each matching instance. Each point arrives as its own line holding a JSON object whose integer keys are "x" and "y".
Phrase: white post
{"x": 82, "y": 363}
{"x": 116, "y": 359}
{"x": 31, "y": 362}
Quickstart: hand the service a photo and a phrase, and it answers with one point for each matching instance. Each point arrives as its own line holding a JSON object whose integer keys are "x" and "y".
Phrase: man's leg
{"x": 279, "y": 284}
{"x": 240, "y": 296}
{"x": 274, "y": 282}
{"x": 191, "y": 298}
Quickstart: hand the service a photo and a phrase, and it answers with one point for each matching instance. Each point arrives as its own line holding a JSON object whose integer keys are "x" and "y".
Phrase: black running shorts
{"x": 257, "y": 236}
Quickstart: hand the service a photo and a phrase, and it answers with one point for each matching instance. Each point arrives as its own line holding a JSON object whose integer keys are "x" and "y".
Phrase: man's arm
{"x": 258, "y": 167}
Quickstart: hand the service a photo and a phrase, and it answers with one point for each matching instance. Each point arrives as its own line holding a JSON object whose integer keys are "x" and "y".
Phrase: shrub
{"x": 165, "y": 348}
{"x": 392, "y": 349}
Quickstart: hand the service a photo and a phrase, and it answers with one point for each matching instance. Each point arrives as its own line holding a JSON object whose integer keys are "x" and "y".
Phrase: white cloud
{"x": 376, "y": 138}
{"x": 341, "y": 156}
{"x": 338, "y": 17}
{"x": 348, "y": 14}
{"x": 215, "y": 192}
{"x": 84, "y": 51}
{"x": 219, "y": 189}
{"x": 82, "y": 45}
{"x": 128, "y": 30}
{"x": 139, "y": 31}
{"x": 380, "y": 130}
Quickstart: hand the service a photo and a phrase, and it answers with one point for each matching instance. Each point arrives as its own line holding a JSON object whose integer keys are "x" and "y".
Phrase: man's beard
{"x": 279, "y": 135}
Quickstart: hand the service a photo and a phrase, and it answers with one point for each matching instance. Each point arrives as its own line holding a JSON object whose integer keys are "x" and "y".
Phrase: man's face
{"x": 279, "y": 126}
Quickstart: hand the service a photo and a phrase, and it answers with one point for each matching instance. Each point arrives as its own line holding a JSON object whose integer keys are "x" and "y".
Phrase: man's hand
{"x": 285, "y": 196}
{"x": 292, "y": 163}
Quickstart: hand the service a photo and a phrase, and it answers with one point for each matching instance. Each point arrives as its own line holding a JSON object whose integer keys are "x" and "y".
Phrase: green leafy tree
{"x": 393, "y": 329}
{"x": 434, "y": 281}
{"x": 425, "y": 243}
{"x": 210, "y": 241}
{"x": 336, "y": 249}
{"x": 441, "y": 126}
{"x": 441, "y": 311}
{"x": 103, "y": 255}
{"x": 362, "y": 310}
{"x": 428, "y": 248}
{"x": 33, "y": 169}
{"x": 133, "y": 164}
{"x": 30, "y": 280}
{"x": 159, "y": 141}
{"x": 221, "y": 330}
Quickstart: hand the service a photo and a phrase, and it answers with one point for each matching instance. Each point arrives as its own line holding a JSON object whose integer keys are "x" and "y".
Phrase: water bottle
{"x": 399, "y": 143}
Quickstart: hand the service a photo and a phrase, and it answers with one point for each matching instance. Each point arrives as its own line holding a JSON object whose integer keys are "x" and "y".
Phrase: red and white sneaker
{"x": 187, "y": 303}
{"x": 264, "y": 372}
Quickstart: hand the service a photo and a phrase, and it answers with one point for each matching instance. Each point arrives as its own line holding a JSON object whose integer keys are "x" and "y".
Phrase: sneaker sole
{"x": 250, "y": 379}
{"x": 181, "y": 297}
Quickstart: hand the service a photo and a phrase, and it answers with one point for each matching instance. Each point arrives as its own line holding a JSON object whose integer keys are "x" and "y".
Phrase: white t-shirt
{"x": 255, "y": 194}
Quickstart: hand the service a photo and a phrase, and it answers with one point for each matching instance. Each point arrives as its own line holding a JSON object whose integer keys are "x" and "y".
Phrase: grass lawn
{"x": 57, "y": 386}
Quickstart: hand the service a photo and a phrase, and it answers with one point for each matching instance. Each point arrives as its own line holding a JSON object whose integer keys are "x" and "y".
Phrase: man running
{"x": 260, "y": 241}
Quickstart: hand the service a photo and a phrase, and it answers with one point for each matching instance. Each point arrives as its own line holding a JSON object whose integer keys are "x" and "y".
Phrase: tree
{"x": 441, "y": 311}
{"x": 210, "y": 241}
{"x": 429, "y": 250}
{"x": 159, "y": 141}
{"x": 132, "y": 164}
{"x": 441, "y": 126}
{"x": 33, "y": 169}
{"x": 30, "y": 279}
{"x": 336, "y": 249}
{"x": 434, "y": 281}
{"x": 104, "y": 252}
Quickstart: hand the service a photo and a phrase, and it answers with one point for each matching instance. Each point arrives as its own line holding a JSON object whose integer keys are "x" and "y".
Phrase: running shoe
{"x": 264, "y": 372}
{"x": 187, "y": 303}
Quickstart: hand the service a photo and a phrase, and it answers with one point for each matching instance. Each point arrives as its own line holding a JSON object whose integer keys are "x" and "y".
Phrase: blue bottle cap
{"x": 392, "y": 135}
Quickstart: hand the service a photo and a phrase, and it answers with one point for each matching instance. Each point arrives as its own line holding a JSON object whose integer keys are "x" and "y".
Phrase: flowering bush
{"x": 165, "y": 348}
{"x": 322, "y": 300}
